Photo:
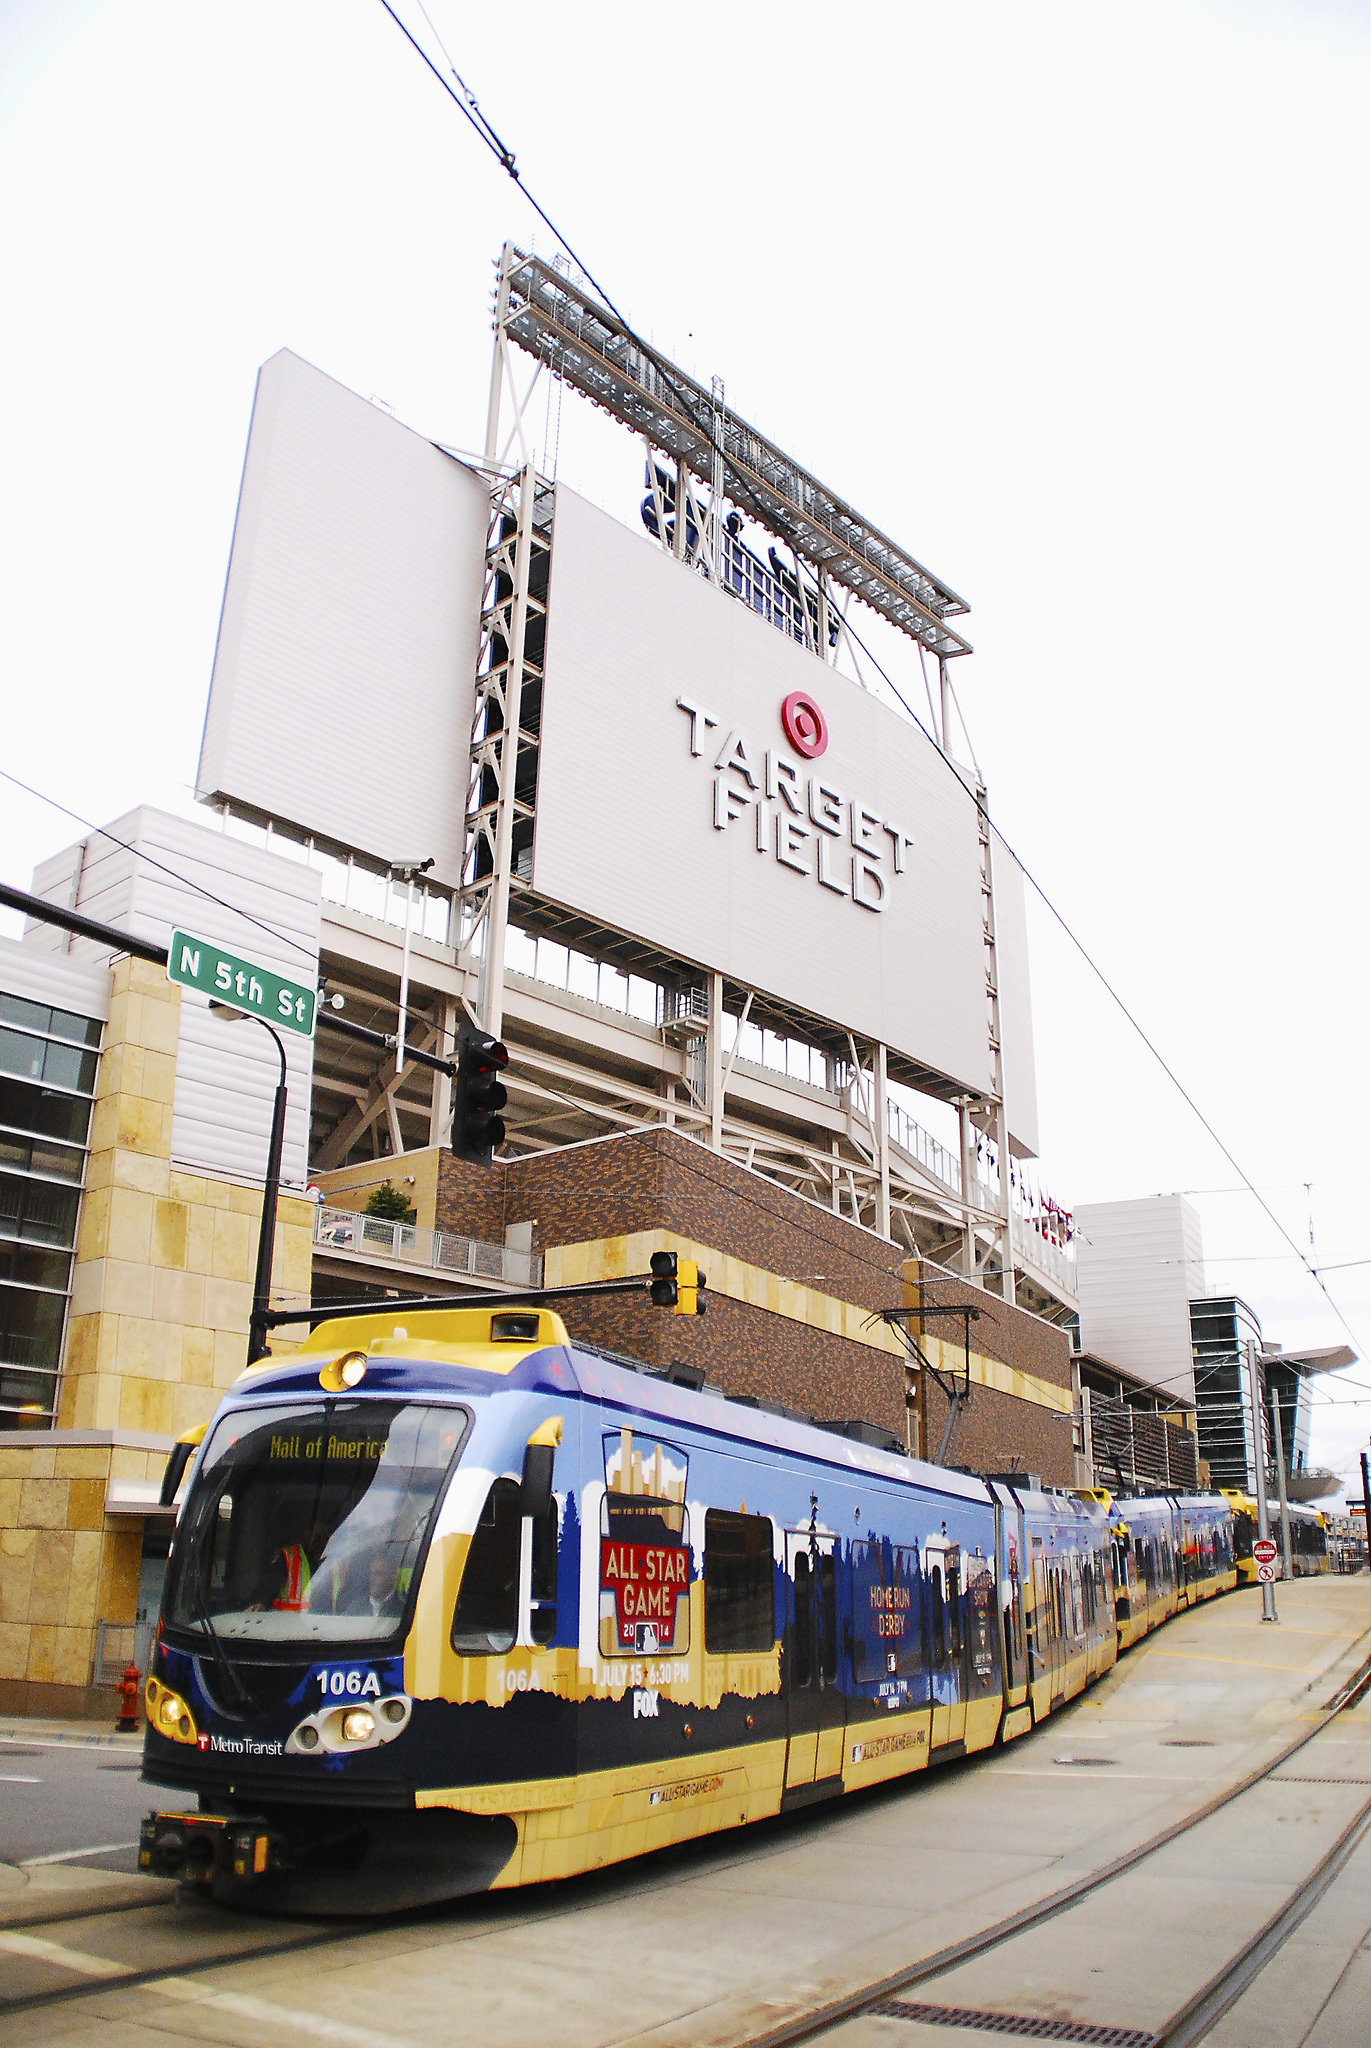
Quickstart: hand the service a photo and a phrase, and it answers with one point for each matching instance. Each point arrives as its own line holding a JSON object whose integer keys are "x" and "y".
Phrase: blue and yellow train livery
{"x": 456, "y": 1603}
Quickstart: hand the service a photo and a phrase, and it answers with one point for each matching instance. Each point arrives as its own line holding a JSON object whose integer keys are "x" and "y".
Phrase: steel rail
{"x": 813, "y": 2025}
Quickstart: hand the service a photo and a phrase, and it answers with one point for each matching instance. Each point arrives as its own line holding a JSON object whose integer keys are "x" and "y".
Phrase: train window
{"x": 802, "y": 1630}
{"x": 645, "y": 1565}
{"x": 487, "y": 1618}
{"x": 542, "y": 1619}
{"x": 1088, "y": 1592}
{"x": 886, "y": 1634}
{"x": 828, "y": 1617}
{"x": 740, "y": 1598}
{"x": 954, "y": 1602}
{"x": 935, "y": 1603}
{"x": 308, "y": 1523}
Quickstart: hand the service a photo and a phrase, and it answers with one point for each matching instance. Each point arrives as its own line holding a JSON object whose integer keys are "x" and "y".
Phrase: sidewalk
{"x": 81, "y": 1734}
{"x": 40, "y": 1891}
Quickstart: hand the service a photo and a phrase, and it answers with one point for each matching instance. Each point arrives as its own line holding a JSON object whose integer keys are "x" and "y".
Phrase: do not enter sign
{"x": 1264, "y": 1550}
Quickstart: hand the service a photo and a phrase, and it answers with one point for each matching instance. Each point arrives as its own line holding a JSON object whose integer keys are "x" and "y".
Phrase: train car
{"x": 1208, "y": 1561}
{"x": 1308, "y": 1539}
{"x": 1057, "y": 1574}
{"x": 454, "y": 1603}
{"x": 1244, "y": 1530}
{"x": 1185, "y": 1537}
{"x": 1146, "y": 1536}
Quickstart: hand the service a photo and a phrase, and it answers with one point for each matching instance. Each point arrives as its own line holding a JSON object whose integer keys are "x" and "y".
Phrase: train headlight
{"x": 168, "y": 1713}
{"x": 358, "y": 1726}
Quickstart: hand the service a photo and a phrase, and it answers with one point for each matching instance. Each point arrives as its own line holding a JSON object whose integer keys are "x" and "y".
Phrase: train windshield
{"x": 306, "y": 1523}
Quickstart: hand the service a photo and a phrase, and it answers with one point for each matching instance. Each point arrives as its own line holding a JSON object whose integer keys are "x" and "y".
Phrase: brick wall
{"x": 659, "y": 1180}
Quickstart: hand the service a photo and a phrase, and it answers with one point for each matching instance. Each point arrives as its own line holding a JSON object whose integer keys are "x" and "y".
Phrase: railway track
{"x": 890, "y": 1998}
{"x": 183, "y": 1943}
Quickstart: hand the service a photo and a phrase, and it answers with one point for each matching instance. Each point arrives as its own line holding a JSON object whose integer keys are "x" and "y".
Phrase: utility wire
{"x": 465, "y": 100}
{"x": 297, "y": 945}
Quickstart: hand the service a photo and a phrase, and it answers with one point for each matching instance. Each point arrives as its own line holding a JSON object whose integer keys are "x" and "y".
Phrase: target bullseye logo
{"x": 804, "y": 725}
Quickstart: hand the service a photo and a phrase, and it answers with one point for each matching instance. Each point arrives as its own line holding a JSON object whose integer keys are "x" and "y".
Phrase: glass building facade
{"x": 1220, "y": 1329}
{"x": 48, "y": 1063}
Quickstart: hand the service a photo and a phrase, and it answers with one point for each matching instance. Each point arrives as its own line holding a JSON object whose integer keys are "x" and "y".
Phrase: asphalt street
{"x": 61, "y": 1801}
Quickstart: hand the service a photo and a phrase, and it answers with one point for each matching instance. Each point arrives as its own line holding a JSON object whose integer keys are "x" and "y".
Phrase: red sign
{"x": 804, "y": 725}
{"x": 646, "y": 1580}
{"x": 1264, "y": 1550}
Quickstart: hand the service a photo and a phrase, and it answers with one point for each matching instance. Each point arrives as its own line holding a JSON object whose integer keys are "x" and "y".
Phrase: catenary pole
{"x": 1366, "y": 1497}
{"x": 1288, "y": 1562}
{"x": 1257, "y": 1406}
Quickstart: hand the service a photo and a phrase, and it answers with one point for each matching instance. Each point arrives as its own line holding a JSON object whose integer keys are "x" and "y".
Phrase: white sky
{"x": 1071, "y": 300}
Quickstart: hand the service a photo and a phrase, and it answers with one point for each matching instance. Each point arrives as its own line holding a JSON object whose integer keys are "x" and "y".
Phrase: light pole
{"x": 408, "y": 872}
{"x": 271, "y": 1188}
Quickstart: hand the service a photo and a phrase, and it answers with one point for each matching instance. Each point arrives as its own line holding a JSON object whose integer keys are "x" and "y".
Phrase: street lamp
{"x": 271, "y": 1187}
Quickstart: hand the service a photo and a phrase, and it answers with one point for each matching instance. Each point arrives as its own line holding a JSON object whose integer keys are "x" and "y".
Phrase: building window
{"x": 48, "y": 1061}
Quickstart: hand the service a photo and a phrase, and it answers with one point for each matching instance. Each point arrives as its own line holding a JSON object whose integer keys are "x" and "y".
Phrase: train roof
{"x": 478, "y": 1351}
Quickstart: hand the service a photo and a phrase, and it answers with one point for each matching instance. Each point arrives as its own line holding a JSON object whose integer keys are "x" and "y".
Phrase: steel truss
{"x": 503, "y": 767}
{"x": 542, "y": 309}
{"x": 563, "y": 1091}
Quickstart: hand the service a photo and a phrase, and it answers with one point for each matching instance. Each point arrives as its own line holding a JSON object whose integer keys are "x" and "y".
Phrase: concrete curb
{"x": 76, "y": 1734}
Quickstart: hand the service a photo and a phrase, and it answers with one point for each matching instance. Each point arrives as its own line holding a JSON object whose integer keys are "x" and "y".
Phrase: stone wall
{"x": 65, "y": 1565}
{"x": 162, "y": 1282}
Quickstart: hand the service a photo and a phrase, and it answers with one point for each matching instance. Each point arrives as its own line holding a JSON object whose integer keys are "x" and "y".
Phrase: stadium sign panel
{"x": 706, "y": 784}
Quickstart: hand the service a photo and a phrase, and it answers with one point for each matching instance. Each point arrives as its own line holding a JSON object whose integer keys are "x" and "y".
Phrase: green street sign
{"x": 241, "y": 984}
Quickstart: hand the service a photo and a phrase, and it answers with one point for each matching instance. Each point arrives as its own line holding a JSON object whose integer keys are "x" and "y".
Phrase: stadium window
{"x": 487, "y": 1618}
{"x": 740, "y": 1601}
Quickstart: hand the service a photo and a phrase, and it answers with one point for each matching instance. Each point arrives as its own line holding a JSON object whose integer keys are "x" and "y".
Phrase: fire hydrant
{"x": 128, "y": 1701}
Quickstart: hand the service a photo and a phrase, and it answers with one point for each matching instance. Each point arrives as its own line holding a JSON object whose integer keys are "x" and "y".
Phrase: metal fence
{"x": 376, "y": 1237}
{"x": 119, "y": 1644}
{"x": 1144, "y": 1449}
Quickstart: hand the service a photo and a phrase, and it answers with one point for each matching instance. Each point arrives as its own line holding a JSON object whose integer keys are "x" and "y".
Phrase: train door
{"x": 1014, "y": 1648}
{"x": 814, "y": 1703}
{"x": 946, "y": 1641}
{"x": 1045, "y": 1642}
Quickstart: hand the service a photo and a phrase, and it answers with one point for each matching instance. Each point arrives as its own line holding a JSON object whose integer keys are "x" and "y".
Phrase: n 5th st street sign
{"x": 241, "y": 984}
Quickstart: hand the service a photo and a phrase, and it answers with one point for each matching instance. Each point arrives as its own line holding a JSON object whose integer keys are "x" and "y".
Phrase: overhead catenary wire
{"x": 468, "y": 105}
{"x": 103, "y": 832}
{"x": 466, "y": 102}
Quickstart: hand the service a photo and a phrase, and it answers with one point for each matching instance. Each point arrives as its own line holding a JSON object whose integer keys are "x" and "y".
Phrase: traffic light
{"x": 677, "y": 1284}
{"x": 478, "y": 1095}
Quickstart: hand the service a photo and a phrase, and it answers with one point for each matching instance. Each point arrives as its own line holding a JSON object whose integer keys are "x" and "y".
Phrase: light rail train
{"x": 1308, "y": 1536}
{"x": 455, "y": 1602}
